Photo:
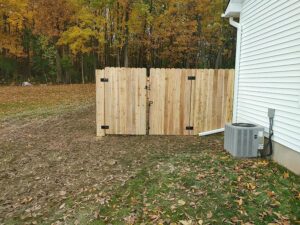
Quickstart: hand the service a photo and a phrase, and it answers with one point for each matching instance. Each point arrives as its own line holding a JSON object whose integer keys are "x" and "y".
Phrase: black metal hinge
{"x": 104, "y": 127}
{"x": 104, "y": 79}
{"x": 189, "y": 128}
{"x": 191, "y": 78}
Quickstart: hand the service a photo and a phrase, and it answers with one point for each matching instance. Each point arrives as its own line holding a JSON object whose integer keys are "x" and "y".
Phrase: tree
{"x": 66, "y": 40}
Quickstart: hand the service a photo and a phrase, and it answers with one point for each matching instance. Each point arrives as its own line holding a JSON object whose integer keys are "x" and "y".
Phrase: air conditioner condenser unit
{"x": 243, "y": 140}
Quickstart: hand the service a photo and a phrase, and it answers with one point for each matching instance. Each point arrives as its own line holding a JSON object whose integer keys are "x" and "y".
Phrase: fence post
{"x": 100, "y": 103}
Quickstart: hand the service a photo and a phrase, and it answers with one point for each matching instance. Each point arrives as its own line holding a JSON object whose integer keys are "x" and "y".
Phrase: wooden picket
{"x": 212, "y": 99}
{"x": 170, "y": 101}
{"x": 181, "y": 101}
{"x": 189, "y": 101}
{"x": 124, "y": 101}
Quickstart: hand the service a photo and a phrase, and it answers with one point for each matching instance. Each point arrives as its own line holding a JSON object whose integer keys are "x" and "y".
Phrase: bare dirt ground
{"x": 45, "y": 161}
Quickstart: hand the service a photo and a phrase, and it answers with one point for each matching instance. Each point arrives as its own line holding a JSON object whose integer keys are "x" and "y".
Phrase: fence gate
{"x": 181, "y": 101}
{"x": 188, "y": 102}
{"x": 121, "y": 101}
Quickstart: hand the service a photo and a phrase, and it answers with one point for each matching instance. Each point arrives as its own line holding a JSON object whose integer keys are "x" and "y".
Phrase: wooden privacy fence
{"x": 168, "y": 102}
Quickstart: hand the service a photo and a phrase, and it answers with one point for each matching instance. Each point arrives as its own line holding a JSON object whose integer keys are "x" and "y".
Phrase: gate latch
{"x": 189, "y": 128}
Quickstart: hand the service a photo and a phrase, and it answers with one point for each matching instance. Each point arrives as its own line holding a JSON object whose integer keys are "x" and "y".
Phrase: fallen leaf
{"x": 200, "y": 222}
{"x": 286, "y": 175}
{"x": 200, "y": 176}
{"x": 181, "y": 202}
{"x": 271, "y": 193}
{"x": 112, "y": 162}
{"x": 62, "y": 193}
{"x": 240, "y": 202}
{"x": 275, "y": 204}
{"x": 62, "y": 206}
{"x": 251, "y": 186}
{"x": 263, "y": 163}
{"x": 209, "y": 215}
{"x": 186, "y": 222}
{"x": 96, "y": 215}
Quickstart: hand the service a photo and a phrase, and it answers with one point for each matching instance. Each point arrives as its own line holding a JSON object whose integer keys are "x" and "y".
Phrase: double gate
{"x": 168, "y": 102}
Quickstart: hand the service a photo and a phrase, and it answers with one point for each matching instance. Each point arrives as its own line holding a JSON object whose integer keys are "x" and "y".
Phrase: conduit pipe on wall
{"x": 237, "y": 66}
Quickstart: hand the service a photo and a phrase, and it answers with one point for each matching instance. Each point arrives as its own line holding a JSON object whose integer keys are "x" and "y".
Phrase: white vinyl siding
{"x": 269, "y": 74}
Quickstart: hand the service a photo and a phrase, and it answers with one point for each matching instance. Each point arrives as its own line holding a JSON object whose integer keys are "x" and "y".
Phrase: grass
{"x": 182, "y": 180}
{"x": 21, "y": 102}
{"x": 208, "y": 187}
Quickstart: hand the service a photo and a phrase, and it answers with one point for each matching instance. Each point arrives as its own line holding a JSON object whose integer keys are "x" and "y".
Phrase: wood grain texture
{"x": 213, "y": 99}
{"x": 170, "y": 96}
{"x": 100, "y": 105}
{"x": 175, "y": 101}
{"x": 204, "y": 103}
{"x": 125, "y": 101}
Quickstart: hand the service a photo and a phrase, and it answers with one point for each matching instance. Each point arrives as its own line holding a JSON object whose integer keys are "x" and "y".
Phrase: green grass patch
{"x": 205, "y": 186}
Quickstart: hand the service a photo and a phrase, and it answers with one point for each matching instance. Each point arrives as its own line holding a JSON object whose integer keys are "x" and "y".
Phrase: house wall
{"x": 269, "y": 75}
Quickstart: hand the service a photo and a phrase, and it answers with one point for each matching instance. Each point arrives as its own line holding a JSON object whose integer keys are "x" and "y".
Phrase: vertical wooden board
{"x": 191, "y": 92}
{"x": 107, "y": 100}
{"x": 110, "y": 99}
{"x": 140, "y": 104}
{"x": 153, "y": 90}
{"x": 230, "y": 96}
{"x": 196, "y": 102}
{"x": 123, "y": 74}
{"x": 136, "y": 108}
{"x": 218, "y": 110}
{"x": 222, "y": 112}
{"x": 207, "y": 100}
{"x": 176, "y": 92}
{"x": 155, "y": 114}
{"x": 167, "y": 102}
{"x": 186, "y": 104}
{"x": 114, "y": 101}
{"x": 129, "y": 103}
{"x": 213, "y": 99}
{"x": 162, "y": 80}
{"x": 100, "y": 102}
{"x": 143, "y": 90}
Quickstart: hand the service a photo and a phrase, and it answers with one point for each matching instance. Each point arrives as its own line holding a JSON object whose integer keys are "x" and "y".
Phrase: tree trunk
{"x": 82, "y": 70}
{"x": 126, "y": 36}
{"x": 58, "y": 68}
{"x": 219, "y": 59}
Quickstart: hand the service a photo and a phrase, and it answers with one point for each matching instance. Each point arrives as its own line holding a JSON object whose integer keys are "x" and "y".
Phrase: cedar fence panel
{"x": 125, "y": 102}
{"x": 189, "y": 101}
{"x": 212, "y": 99}
{"x": 181, "y": 101}
{"x": 170, "y": 93}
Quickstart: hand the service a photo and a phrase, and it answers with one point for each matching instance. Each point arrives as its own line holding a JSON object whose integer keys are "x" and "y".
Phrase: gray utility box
{"x": 244, "y": 140}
